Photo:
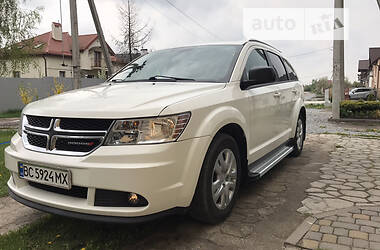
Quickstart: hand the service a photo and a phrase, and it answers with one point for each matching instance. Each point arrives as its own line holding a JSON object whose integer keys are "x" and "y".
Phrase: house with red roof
{"x": 52, "y": 56}
{"x": 369, "y": 70}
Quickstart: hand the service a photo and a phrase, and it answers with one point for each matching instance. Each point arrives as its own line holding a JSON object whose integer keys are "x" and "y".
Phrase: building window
{"x": 98, "y": 59}
{"x": 16, "y": 74}
{"x": 62, "y": 73}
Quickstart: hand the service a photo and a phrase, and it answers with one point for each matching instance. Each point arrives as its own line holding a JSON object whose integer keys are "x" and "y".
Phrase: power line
{"x": 193, "y": 20}
{"x": 317, "y": 76}
{"x": 310, "y": 52}
{"x": 172, "y": 20}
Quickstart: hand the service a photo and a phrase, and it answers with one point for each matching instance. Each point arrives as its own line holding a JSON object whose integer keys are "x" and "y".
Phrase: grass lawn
{"x": 315, "y": 106}
{"x": 55, "y": 232}
{"x": 5, "y": 135}
{"x": 15, "y": 113}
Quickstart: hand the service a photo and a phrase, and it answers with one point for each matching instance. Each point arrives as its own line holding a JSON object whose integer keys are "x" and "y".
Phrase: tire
{"x": 206, "y": 206}
{"x": 299, "y": 137}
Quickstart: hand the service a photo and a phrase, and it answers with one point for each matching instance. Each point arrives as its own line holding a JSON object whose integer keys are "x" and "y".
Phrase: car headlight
{"x": 147, "y": 130}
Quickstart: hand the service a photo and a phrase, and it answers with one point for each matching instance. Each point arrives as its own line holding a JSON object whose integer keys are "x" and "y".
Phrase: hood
{"x": 120, "y": 100}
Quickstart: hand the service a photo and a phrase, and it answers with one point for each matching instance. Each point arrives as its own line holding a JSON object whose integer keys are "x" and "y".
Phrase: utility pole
{"x": 75, "y": 43}
{"x": 338, "y": 64}
{"x": 99, "y": 30}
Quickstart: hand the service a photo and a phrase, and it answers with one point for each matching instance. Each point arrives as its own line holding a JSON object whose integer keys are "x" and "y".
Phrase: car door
{"x": 263, "y": 108}
{"x": 286, "y": 97}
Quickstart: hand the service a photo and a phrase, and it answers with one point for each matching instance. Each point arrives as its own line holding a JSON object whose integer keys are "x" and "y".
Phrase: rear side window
{"x": 278, "y": 66}
{"x": 256, "y": 59}
{"x": 291, "y": 73}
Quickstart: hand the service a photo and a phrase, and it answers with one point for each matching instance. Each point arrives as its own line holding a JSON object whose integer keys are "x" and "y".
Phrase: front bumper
{"x": 165, "y": 174}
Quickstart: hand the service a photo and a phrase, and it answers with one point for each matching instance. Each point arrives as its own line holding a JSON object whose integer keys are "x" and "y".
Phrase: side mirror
{"x": 259, "y": 76}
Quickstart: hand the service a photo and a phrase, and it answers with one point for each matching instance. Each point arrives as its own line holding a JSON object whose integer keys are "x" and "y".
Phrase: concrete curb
{"x": 354, "y": 120}
{"x": 300, "y": 232}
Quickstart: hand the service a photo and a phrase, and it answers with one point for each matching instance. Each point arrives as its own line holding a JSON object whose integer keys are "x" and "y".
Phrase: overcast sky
{"x": 311, "y": 59}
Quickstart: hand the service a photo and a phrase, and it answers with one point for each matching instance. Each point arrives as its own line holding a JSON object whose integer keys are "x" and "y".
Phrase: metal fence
{"x": 9, "y": 89}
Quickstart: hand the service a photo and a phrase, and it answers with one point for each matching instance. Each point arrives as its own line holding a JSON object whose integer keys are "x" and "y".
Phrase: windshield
{"x": 209, "y": 63}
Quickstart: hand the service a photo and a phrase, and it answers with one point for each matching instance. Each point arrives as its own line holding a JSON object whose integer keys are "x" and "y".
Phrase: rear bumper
{"x": 166, "y": 175}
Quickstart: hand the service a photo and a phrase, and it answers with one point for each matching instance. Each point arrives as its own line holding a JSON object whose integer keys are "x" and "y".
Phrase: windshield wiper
{"x": 158, "y": 77}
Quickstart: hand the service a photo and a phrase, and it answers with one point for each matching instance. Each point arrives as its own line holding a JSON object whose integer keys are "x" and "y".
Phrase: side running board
{"x": 263, "y": 165}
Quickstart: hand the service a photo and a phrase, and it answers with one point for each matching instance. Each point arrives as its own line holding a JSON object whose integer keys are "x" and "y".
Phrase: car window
{"x": 278, "y": 66}
{"x": 256, "y": 59}
{"x": 208, "y": 63}
{"x": 291, "y": 73}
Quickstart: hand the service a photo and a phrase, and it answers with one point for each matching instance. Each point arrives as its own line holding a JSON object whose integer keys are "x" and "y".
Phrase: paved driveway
{"x": 265, "y": 214}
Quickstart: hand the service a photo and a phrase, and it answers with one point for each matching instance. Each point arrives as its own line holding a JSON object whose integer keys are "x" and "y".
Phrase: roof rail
{"x": 258, "y": 41}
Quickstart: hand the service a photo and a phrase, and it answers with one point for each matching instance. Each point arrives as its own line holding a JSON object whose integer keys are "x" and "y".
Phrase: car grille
{"x": 75, "y": 191}
{"x": 38, "y": 121}
{"x": 65, "y": 136}
{"x": 37, "y": 140}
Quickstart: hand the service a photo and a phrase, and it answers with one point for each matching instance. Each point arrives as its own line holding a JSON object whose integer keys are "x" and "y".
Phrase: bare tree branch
{"x": 134, "y": 33}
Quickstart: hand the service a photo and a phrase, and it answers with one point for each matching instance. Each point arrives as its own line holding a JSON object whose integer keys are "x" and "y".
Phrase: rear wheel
{"x": 218, "y": 182}
{"x": 299, "y": 138}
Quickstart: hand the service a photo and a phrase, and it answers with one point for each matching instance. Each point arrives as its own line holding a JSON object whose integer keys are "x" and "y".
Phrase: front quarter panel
{"x": 229, "y": 105}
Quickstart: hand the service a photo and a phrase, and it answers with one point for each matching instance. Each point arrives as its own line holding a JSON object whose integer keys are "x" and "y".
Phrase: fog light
{"x": 133, "y": 198}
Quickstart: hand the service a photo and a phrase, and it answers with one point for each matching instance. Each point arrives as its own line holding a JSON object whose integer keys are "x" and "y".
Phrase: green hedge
{"x": 360, "y": 109}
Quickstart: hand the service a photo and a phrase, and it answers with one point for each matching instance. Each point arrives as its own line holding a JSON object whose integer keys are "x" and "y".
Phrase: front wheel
{"x": 299, "y": 137}
{"x": 218, "y": 182}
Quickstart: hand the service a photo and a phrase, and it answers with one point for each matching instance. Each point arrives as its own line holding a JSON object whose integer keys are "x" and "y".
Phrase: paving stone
{"x": 375, "y": 218}
{"x": 344, "y": 240}
{"x": 310, "y": 244}
{"x": 353, "y": 184}
{"x": 329, "y": 246}
{"x": 338, "y": 203}
{"x": 374, "y": 237}
{"x": 374, "y": 198}
{"x": 359, "y": 194}
{"x": 367, "y": 184}
{"x": 341, "y": 231}
{"x": 334, "y": 193}
{"x": 313, "y": 236}
{"x": 368, "y": 223}
{"x": 342, "y": 187}
{"x": 329, "y": 238}
{"x": 326, "y": 229}
{"x": 358, "y": 235}
{"x": 332, "y": 218}
{"x": 314, "y": 228}
{"x": 354, "y": 199}
{"x": 314, "y": 190}
{"x": 374, "y": 245}
{"x": 346, "y": 225}
{"x": 360, "y": 243}
{"x": 361, "y": 216}
{"x": 367, "y": 229}
{"x": 368, "y": 212}
{"x": 322, "y": 195}
{"x": 324, "y": 222}
{"x": 317, "y": 184}
{"x": 374, "y": 192}
{"x": 346, "y": 219}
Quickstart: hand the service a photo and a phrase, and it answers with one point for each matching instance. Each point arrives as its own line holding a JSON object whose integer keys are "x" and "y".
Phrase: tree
{"x": 134, "y": 33}
{"x": 16, "y": 30}
{"x": 319, "y": 85}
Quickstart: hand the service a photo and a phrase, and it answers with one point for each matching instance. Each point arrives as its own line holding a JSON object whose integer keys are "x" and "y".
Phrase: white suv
{"x": 175, "y": 130}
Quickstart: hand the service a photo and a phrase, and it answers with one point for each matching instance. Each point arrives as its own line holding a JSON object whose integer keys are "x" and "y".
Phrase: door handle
{"x": 295, "y": 91}
{"x": 277, "y": 94}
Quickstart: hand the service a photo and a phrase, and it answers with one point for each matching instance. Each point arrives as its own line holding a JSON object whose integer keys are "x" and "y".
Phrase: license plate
{"x": 48, "y": 176}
